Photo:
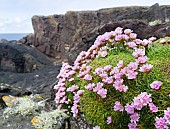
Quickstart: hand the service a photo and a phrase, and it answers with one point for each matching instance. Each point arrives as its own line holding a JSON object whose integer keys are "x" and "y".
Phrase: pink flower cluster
{"x": 141, "y": 100}
{"x": 98, "y": 89}
{"x": 108, "y": 75}
{"x": 75, "y": 107}
{"x": 163, "y": 122}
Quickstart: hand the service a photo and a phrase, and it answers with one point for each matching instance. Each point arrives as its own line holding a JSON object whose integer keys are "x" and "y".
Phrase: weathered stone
{"x": 21, "y": 58}
{"x": 59, "y": 35}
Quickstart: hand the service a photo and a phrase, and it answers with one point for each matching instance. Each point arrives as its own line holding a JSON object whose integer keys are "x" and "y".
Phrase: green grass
{"x": 97, "y": 109}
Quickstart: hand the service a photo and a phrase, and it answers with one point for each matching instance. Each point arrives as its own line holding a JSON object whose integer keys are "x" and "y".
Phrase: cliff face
{"x": 64, "y": 36}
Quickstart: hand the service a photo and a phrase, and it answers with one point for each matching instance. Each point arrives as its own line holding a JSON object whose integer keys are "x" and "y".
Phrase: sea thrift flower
{"x": 146, "y": 68}
{"x": 160, "y": 123}
{"x": 87, "y": 77}
{"x": 109, "y": 120}
{"x": 133, "y": 35}
{"x": 118, "y": 106}
{"x": 118, "y": 30}
{"x": 132, "y": 125}
{"x": 133, "y": 66}
{"x": 90, "y": 86}
{"x": 131, "y": 74}
{"x": 146, "y": 42}
{"x": 156, "y": 85}
{"x": 132, "y": 44}
{"x": 102, "y": 92}
{"x": 118, "y": 84}
{"x": 80, "y": 92}
{"x": 129, "y": 109}
{"x": 98, "y": 87}
{"x": 107, "y": 68}
{"x": 96, "y": 127}
{"x": 128, "y": 31}
{"x": 153, "y": 108}
{"x": 72, "y": 88}
{"x": 142, "y": 59}
{"x": 138, "y": 52}
{"x": 120, "y": 64}
{"x": 167, "y": 115}
{"x": 134, "y": 117}
{"x": 162, "y": 41}
{"x": 108, "y": 80}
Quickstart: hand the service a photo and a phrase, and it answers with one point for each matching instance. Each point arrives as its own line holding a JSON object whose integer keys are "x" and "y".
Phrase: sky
{"x": 15, "y": 15}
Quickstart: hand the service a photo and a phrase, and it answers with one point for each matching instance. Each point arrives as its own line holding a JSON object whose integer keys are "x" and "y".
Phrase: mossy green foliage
{"x": 97, "y": 109}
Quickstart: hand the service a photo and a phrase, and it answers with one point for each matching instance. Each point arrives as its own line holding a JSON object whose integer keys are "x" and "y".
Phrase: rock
{"x": 21, "y": 58}
{"x": 4, "y": 41}
{"x": 59, "y": 35}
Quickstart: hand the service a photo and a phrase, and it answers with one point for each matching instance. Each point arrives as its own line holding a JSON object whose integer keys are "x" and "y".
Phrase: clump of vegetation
{"x": 28, "y": 107}
{"x": 120, "y": 82}
{"x": 24, "y": 106}
{"x": 156, "y": 22}
{"x": 49, "y": 120}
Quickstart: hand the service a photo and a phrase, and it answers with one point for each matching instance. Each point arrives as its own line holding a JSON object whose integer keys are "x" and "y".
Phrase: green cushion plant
{"x": 120, "y": 82}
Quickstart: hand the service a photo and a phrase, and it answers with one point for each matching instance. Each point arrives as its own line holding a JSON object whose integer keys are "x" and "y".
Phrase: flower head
{"x": 109, "y": 119}
{"x": 156, "y": 85}
{"x": 118, "y": 106}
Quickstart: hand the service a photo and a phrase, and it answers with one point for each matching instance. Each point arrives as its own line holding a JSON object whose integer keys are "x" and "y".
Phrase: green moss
{"x": 97, "y": 109}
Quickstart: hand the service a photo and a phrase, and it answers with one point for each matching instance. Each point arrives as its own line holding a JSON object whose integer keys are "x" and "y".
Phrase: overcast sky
{"x": 15, "y": 15}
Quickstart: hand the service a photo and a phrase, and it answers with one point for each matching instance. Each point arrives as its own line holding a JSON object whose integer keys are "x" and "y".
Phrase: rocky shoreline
{"x": 30, "y": 66}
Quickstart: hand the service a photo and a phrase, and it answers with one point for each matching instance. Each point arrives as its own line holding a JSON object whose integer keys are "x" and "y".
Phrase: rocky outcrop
{"x": 21, "y": 58}
{"x": 59, "y": 35}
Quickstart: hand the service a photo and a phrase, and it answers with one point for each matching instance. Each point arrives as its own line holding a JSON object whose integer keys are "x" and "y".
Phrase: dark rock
{"x": 21, "y": 58}
{"x": 59, "y": 35}
{"x": 4, "y": 41}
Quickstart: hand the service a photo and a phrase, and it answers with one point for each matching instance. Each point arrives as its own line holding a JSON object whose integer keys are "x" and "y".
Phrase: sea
{"x": 12, "y": 36}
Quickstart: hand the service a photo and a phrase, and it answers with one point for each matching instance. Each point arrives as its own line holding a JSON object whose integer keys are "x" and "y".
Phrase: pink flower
{"x": 156, "y": 85}
{"x": 114, "y": 71}
{"x": 98, "y": 87}
{"x": 133, "y": 66}
{"x": 132, "y": 126}
{"x": 108, "y": 80}
{"x": 142, "y": 59}
{"x": 98, "y": 71}
{"x": 146, "y": 68}
{"x": 129, "y": 109}
{"x": 146, "y": 42}
{"x": 153, "y": 108}
{"x": 137, "y": 104}
{"x": 128, "y": 31}
{"x": 102, "y": 53}
{"x": 96, "y": 127}
{"x": 118, "y": 106}
{"x": 72, "y": 88}
{"x": 118, "y": 84}
{"x": 145, "y": 98}
{"x": 90, "y": 86}
{"x": 152, "y": 38}
{"x": 167, "y": 115}
{"x": 118, "y": 37}
{"x": 107, "y": 68}
{"x": 160, "y": 123}
{"x": 102, "y": 92}
{"x": 118, "y": 30}
{"x": 80, "y": 92}
{"x": 87, "y": 77}
{"x": 120, "y": 64}
{"x": 162, "y": 41}
{"x": 134, "y": 117}
{"x": 138, "y": 52}
{"x": 132, "y": 44}
{"x": 131, "y": 74}
{"x": 133, "y": 35}
{"x": 109, "y": 119}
